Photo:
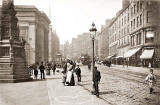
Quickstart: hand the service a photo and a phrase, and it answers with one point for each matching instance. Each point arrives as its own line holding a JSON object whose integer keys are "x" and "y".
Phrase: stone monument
{"x": 12, "y": 52}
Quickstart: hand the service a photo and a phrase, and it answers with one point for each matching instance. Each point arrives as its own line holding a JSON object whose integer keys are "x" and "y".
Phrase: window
{"x": 137, "y": 39}
{"x": 134, "y": 9}
{"x": 149, "y": 14}
{"x": 131, "y": 25}
{"x": 149, "y": 38}
{"x": 24, "y": 33}
{"x": 138, "y": 6}
{"x": 122, "y": 21}
{"x": 137, "y": 21}
{"x": 132, "y": 40}
{"x": 140, "y": 36}
{"x": 140, "y": 21}
{"x": 134, "y": 22}
{"x": 128, "y": 29}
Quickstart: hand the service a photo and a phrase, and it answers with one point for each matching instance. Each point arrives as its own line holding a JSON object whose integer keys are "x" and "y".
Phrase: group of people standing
{"x": 35, "y": 68}
{"x": 69, "y": 68}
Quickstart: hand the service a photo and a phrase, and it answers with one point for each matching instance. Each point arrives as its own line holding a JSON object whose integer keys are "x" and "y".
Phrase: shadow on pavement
{"x": 107, "y": 92}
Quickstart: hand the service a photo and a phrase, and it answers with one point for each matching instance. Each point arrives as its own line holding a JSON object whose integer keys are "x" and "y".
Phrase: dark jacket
{"x": 64, "y": 68}
{"x": 96, "y": 76}
{"x": 41, "y": 67}
{"x": 78, "y": 71}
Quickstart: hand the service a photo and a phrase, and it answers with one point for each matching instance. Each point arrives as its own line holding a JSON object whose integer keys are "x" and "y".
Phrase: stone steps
{"x": 7, "y": 80}
{"x": 2, "y": 76}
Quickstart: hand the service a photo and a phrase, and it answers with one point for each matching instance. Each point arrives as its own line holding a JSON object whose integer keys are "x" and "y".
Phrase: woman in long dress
{"x": 70, "y": 76}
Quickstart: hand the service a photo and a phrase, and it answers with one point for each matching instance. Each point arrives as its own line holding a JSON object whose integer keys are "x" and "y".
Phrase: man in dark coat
{"x": 96, "y": 80}
{"x": 42, "y": 68}
{"x": 78, "y": 73}
{"x": 54, "y": 68}
{"x": 64, "y": 73}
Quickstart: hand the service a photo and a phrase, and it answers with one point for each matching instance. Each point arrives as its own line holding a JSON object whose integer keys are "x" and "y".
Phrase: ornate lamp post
{"x": 93, "y": 31}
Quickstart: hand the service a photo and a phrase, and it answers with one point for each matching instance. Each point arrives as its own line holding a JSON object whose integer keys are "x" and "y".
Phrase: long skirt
{"x": 69, "y": 75}
{"x": 72, "y": 83}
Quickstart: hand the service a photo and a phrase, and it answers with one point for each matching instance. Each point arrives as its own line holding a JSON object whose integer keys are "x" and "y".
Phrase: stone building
{"x": 54, "y": 44}
{"x": 134, "y": 33}
{"x": 34, "y": 28}
{"x": 103, "y": 41}
{"x": 83, "y": 45}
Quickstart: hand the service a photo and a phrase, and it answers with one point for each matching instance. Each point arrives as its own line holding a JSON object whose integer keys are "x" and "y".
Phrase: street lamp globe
{"x": 93, "y": 31}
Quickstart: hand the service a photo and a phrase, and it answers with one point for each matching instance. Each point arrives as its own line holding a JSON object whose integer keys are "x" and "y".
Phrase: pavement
{"x": 24, "y": 93}
{"x": 46, "y": 92}
{"x": 116, "y": 88}
{"x": 70, "y": 95}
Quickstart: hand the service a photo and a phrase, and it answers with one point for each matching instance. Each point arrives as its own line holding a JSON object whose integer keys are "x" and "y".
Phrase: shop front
{"x": 132, "y": 57}
{"x": 147, "y": 57}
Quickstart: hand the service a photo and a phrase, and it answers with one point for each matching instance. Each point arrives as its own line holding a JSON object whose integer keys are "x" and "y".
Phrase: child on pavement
{"x": 151, "y": 79}
{"x": 78, "y": 73}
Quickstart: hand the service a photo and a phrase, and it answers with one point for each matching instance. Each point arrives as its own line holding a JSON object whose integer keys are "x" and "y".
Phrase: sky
{"x": 74, "y": 17}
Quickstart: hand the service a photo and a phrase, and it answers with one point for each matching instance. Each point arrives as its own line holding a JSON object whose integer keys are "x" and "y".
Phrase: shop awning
{"x": 117, "y": 57}
{"x": 110, "y": 56}
{"x": 147, "y": 54}
{"x": 131, "y": 52}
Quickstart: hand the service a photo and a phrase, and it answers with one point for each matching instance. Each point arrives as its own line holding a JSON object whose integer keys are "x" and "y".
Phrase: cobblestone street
{"x": 122, "y": 87}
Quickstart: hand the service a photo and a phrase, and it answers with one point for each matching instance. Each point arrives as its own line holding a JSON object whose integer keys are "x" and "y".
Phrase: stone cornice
{"x": 31, "y": 8}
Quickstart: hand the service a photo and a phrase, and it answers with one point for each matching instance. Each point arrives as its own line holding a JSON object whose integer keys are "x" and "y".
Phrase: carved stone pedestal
{"x": 12, "y": 62}
{"x": 12, "y": 52}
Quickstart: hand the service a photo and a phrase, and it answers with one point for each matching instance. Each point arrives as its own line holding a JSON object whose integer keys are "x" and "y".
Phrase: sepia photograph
{"x": 79, "y": 52}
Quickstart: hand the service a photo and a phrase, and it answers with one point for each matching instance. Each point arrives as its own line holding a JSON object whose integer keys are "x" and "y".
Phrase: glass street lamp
{"x": 93, "y": 31}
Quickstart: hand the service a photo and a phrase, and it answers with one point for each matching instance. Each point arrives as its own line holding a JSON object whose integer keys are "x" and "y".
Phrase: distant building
{"x": 34, "y": 28}
{"x": 135, "y": 33}
{"x": 83, "y": 45}
{"x": 54, "y": 44}
{"x": 103, "y": 41}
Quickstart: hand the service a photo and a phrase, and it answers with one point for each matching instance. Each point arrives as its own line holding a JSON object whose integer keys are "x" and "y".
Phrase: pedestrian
{"x": 78, "y": 73}
{"x": 70, "y": 76}
{"x": 96, "y": 80}
{"x": 151, "y": 80}
{"x": 149, "y": 65}
{"x": 35, "y": 71}
{"x": 109, "y": 63}
{"x": 54, "y": 68}
{"x": 42, "y": 68}
{"x": 30, "y": 69}
{"x": 64, "y": 73}
{"x": 89, "y": 66}
{"x": 48, "y": 68}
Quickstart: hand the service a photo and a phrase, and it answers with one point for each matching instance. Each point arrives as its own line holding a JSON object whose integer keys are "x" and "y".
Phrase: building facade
{"x": 34, "y": 28}
{"x": 82, "y": 45}
{"x": 54, "y": 44}
{"x": 134, "y": 33}
{"x": 103, "y": 41}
